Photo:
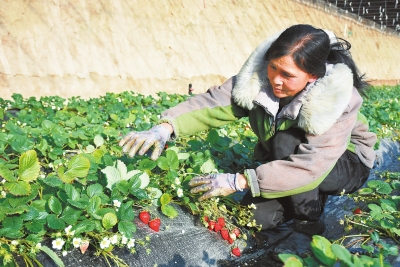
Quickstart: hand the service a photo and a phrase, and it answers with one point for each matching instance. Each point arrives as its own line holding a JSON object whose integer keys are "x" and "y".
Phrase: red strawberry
{"x": 155, "y": 224}
{"x": 224, "y": 233}
{"x": 236, "y": 231}
{"x": 144, "y": 216}
{"x": 357, "y": 211}
{"x": 211, "y": 225}
{"x": 221, "y": 221}
{"x": 217, "y": 227}
{"x": 230, "y": 240}
{"x": 236, "y": 251}
{"x": 166, "y": 146}
{"x": 205, "y": 218}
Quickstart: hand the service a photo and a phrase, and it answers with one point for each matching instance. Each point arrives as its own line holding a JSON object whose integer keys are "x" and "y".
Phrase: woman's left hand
{"x": 214, "y": 185}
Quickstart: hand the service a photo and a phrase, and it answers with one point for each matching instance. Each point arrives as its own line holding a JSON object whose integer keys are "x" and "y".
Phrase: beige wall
{"x": 90, "y": 47}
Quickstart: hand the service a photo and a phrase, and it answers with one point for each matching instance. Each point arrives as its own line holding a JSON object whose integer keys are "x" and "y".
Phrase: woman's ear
{"x": 312, "y": 78}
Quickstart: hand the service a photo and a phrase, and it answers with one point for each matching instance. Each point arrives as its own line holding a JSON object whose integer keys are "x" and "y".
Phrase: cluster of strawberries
{"x": 154, "y": 224}
{"x": 219, "y": 226}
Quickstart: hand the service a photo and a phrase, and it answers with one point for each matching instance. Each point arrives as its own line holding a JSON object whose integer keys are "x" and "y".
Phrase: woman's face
{"x": 286, "y": 78}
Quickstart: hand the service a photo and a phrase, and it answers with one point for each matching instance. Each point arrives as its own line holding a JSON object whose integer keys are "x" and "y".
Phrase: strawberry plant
{"x": 382, "y": 204}
{"x": 325, "y": 253}
{"x": 382, "y": 108}
{"x": 65, "y": 180}
{"x": 65, "y": 183}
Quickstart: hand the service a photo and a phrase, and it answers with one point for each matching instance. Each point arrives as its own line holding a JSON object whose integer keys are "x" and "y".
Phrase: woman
{"x": 301, "y": 92}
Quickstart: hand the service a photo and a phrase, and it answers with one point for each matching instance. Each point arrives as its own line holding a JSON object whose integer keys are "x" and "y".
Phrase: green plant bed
{"x": 65, "y": 179}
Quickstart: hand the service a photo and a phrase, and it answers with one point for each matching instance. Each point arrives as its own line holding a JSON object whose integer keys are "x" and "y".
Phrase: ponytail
{"x": 339, "y": 53}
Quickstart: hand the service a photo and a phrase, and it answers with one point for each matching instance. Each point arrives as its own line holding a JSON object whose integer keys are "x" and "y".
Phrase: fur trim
{"x": 328, "y": 97}
{"x": 252, "y": 75}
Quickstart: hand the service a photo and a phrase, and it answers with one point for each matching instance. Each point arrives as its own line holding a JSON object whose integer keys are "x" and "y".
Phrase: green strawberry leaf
{"x": 72, "y": 192}
{"x": 11, "y": 233}
{"x": 19, "y": 188}
{"x": 80, "y": 203}
{"x": 169, "y": 211}
{"x": 342, "y": 253}
{"x": 98, "y": 140}
{"x": 35, "y": 226}
{"x": 29, "y": 166}
{"x": 7, "y": 174}
{"x": 208, "y": 166}
{"x": 71, "y": 215}
{"x": 125, "y": 212}
{"x": 170, "y": 161}
{"x": 147, "y": 164}
{"x": 31, "y": 214}
{"x": 52, "y": 181}
{"x": 165, "y": 199}
{"x": 14, "y": 222}
{"x": 126, "y": 228}
{"x": 55, "y": 205}
{"x": 78, "y": 166}
{"x": 94, "y": 189}
{"x": 94, "y": 205}
{"x": 55, "y": 223}
{"x": 321, "y": 248}
{"x": 85, "y": 226}
{"x": 109, "y": 220}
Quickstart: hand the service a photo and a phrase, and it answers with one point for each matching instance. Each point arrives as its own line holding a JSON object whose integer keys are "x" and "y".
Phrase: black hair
{"x": 311, "y": 49}
{"x": 340, "y": 53}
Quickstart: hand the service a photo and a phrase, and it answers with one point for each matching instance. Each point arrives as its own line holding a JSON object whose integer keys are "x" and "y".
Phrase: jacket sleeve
{"x": 204, "y": 111}
{"x": 314, "y": 160}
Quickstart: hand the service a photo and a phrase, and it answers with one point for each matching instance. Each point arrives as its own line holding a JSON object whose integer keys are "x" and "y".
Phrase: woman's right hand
{"x": 157, "y": 136}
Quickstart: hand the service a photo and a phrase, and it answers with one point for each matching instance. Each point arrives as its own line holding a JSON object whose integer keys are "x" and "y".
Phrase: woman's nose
{"x": 277, "y": 79}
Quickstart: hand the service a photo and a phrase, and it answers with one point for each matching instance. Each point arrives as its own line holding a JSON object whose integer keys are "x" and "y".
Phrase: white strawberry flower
{"x": 124, "y": 240}
{"x": 105, "y": 243}
{"x": 177, "y": 181}
{"x": 64, "y": 253}
{"x": 179, "y": 192}
{"x": 3, "y": 194}
{"x": 14, "y": 242}
{"x": 58, "y": 243}
{"x": 252, "y": 206}
{"x": 117, "y": 203}
{"x": 68, "y": 231}
{"x": 38, "y": 246}
{"x": 76, "y": 242}
{"x": 114, "y": 239}
{"x": 131, "y": 243}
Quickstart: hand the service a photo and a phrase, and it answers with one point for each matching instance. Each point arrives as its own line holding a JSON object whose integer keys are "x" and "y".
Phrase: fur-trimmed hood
{"x": 317, "y": 107}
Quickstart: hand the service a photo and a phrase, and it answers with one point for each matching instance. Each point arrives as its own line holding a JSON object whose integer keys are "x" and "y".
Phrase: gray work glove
{"x": 156, "y": 136}
{"x": 215, "y": 184}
